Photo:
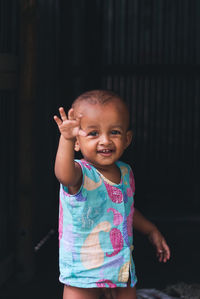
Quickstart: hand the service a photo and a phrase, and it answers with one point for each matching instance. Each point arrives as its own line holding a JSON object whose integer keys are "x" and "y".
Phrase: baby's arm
{"x": 66, "y": 170}
{"x": 146, "y": 227}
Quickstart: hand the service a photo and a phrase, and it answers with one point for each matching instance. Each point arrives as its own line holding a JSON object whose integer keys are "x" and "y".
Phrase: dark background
{"x": 147, "y": 51}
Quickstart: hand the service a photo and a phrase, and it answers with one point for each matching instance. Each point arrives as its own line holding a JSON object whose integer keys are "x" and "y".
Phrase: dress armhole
{"x": 74, "y": 189}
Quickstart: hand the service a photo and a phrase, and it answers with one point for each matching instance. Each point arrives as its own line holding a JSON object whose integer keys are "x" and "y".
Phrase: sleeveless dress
{"x": 95, "y": 230}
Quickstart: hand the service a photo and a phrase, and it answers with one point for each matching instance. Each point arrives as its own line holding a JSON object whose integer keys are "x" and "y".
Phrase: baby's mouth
{"x": 105, "y": 151}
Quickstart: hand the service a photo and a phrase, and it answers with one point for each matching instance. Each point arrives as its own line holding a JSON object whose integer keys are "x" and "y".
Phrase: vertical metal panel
{"x": 45, "y": 106}
{"x": 8, "y": 26}
{"x": 8, "y": 130}
{"x": 8, "y": 198}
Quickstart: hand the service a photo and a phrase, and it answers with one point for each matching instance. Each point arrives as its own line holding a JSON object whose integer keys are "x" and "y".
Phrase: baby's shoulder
{"x": 122, "y": 165}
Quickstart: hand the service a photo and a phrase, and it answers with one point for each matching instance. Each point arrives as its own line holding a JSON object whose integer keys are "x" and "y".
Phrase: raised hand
{"x": 69, "y": 126}
{"x": 162, "y": 249}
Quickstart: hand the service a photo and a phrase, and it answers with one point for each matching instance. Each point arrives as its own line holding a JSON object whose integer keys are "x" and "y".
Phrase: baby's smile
{"x": 105, "y": 152}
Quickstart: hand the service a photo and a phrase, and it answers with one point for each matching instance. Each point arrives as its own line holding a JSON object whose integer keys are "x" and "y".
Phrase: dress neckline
{"x": 104, "y": 178}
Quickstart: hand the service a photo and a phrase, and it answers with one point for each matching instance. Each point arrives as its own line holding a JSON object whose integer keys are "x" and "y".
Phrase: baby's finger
{"x": 164, "y": 257}
{"x": 166, "y": 250}
{"x": 57, "y": 120}
{"x": 62, "y": 114}
{"x": 71, "y": 114}
{"x": 163, "y": 254}
{"x": 160, "y": 254}
{"x": 78, "y": 118}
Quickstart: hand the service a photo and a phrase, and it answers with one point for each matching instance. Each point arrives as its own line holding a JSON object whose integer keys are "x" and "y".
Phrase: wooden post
{"x": 25, "y": 248}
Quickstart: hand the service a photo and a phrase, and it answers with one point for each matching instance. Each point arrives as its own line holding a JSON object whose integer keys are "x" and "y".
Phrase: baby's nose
{"x": 104, "y": 139}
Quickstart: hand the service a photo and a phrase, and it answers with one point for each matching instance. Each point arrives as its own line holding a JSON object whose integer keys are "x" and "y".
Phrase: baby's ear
{"x": 76, "y": 146}
{"x": 129, "y": 136}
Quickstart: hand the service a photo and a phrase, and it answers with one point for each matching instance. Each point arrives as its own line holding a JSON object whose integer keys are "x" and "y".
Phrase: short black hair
{"x": 97, "y": 96}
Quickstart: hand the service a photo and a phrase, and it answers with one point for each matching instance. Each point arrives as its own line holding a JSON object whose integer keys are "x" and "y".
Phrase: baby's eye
{"x": 115, "y": 132}
{"x": 93, "y": 133}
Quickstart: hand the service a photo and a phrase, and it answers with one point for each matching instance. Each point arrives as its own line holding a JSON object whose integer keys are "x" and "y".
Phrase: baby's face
{"x": 107, "y": 135}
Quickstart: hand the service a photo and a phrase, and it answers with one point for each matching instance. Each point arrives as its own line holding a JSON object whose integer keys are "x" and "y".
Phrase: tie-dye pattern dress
{"x": 95, "y": 230}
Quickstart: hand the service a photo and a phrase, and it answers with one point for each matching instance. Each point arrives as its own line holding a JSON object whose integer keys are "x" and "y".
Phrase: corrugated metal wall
{"x": 148, "y": 52}
{"x": 150, "y": 32}
{"x": 8, "y": 130}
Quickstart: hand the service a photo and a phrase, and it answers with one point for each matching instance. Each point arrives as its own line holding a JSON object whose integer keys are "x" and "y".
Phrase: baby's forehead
{"x": 83, "y": 107}
{"x": 114, "y": 103}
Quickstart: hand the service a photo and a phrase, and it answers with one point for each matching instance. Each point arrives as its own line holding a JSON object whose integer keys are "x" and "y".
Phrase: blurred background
{"x": 147, "y": 51}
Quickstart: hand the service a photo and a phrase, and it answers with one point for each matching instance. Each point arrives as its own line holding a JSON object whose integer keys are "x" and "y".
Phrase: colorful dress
{"x": 95, "y": 230}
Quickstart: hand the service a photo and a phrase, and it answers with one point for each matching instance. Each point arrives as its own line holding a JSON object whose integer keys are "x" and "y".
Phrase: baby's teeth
{"x": 105, "y": 151}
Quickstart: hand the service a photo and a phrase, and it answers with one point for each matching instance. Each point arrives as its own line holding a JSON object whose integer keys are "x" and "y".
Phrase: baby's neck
{"x": 110, "y": 172}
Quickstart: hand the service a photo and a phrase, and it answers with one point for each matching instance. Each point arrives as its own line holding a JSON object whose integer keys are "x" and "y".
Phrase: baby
{"x": 97, "y": 211}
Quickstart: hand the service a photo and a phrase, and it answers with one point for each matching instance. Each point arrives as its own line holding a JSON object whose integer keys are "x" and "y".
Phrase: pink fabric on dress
{"x": 102, "y": 283}
{"x": 118, "y": 218}
{"x": 114, "y": 193}
{"x": 130, "y": 221}
{"x": 60, "y": 222}
{"x": 116, "y": 239}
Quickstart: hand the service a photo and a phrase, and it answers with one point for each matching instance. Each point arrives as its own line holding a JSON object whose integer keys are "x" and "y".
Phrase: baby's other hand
{"x": 69, "y": 126}
{"x": 162, "y": 249}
